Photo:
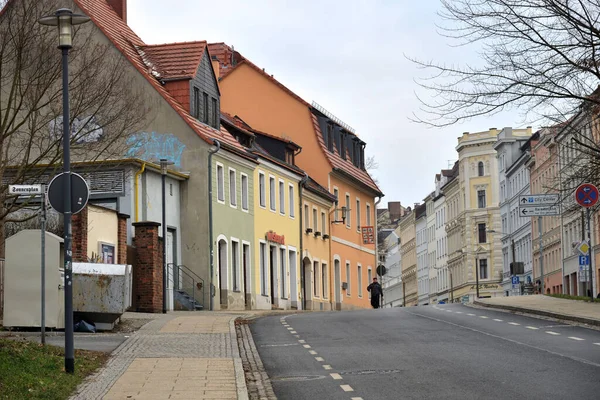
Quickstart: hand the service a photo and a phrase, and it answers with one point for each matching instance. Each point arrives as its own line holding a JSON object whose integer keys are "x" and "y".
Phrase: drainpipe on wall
{"x": 135, "y": 192}
{"x": 210, "y": 219}
{"x": 301, "y": 263}
{"x": 377, "y": 246}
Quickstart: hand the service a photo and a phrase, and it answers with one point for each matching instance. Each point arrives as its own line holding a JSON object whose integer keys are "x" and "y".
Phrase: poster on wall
{"x": 368, "y": 235}
{"x": 108, "y": 253}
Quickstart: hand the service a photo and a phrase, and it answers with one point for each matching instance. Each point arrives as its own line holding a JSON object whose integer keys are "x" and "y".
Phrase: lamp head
{"x": 65, "y": 20}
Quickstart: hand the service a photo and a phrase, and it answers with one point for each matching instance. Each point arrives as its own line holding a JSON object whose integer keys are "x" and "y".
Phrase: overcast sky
{"x": 348, "y": 56}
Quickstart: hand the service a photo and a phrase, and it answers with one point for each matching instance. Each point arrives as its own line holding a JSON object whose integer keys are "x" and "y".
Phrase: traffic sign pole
{"x": 541, "y": 254}
{"x": 589, "y": 212}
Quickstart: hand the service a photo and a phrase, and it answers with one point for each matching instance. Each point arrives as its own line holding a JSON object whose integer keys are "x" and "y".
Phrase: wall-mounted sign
{"x": 273, "y": 237}
{"x": 368, "y": 235}
{"x": 486, "y": 286}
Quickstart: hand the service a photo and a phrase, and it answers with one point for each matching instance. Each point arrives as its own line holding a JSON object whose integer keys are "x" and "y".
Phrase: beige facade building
{"x": 408, "y": 252}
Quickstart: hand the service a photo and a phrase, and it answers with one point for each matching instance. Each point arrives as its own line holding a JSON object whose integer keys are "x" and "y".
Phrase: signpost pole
{"x": 43, "y": 266}
{"x": 589, "y": 212}
{"x": 541, "y": 254}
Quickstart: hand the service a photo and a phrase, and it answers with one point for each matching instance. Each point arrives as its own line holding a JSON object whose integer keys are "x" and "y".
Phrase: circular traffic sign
{"x": 587, "y": 195}
{"x": 381, "y": 270}
{"x": 80, "y": 193}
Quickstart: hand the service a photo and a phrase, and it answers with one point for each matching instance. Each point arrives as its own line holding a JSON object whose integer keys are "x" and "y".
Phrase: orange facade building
{"x": 332, "y": 154}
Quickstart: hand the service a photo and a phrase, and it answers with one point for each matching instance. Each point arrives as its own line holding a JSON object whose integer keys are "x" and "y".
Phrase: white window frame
{"x": 272, "y": 194}
{"x": 233, "y": 200}
{"x": 306, "y": 216}
{"x": 220, "y": 173}
{"x": 369, "y": 277}
{"x": 263, "y": 267}
{"x": 245, "y": 188}
{"x": 235, "y": 266}
{"x": 323, "y": 222}
{"x": 359, "y": 278}
{"x": 348, "y": 215}
{"x": 315, "y": 219}
{"x": 368, "y": 216}
{"x": 316, "y": 267}
{"x": 348, "y": 280}
{"x": 281, "y": 187}
{"x": 358, "y": 214}
{"x": 291, "y": 194}
{"x": 337, "y": 196}
{"x": 284, "y": 268}
{"x": 324, "y": 280}
{"x": 262, "y": 190}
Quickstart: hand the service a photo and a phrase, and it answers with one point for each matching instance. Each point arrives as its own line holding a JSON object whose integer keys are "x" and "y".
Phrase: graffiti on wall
{"x": 155, "y": 146}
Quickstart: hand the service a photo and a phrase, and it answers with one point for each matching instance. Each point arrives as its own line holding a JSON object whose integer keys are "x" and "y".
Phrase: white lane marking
{"x": 514, "y": 323}
{"x": 327, "y": 367}
{"x": 552, "y": 333}
{"x": 293, "y": 332}
{"x": 319, "y": 359}
{"x": 307, "y": 346}
{"x": 448, "y": 310}
{"x": 297, "y": 336}
{"x": 597, "y": 344}
{"x": 335, "y": 376}
{"x": 356, "y": 398}
{"x": 532, "y": 328}
{"x": 290, "y": 328}
{"x": 347, "y": 388}
{"x": 575, "y": 338}
{"x": 497, "y": 320}
{"x": 314, "y": 353}
{"x": 302, "y": 341}
{"x": 483, "y": 316}
{"x": 472, "y": 315}
{"x": 459, "y": 312}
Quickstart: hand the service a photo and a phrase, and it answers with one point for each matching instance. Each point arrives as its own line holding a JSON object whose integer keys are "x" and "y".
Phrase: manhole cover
{"x": 298, "y": 378}
{"x": 373, "y": 372}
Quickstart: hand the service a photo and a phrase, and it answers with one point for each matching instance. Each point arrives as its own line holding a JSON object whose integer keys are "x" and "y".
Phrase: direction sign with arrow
{"x": 539, "y": 199}
{"x": 539, "y": 211}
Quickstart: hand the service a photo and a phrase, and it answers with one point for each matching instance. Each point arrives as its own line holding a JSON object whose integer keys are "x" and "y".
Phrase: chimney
{"x": 395, "y": 210}
{"x": 120, "y": 7}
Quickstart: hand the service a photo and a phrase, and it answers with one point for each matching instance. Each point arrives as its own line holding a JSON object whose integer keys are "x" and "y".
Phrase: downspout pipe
{"x": 300, "y": 208}
{"x": 377, "y": 245}
{"x": 136, "y": 194}
{"x": 210, "y": 219}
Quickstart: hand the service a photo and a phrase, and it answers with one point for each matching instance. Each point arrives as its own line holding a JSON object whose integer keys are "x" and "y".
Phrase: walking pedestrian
{"x": 376, "y": 292}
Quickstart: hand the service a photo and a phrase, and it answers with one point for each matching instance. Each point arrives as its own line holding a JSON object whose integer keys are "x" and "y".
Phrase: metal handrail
{"x": 181, "y": 271}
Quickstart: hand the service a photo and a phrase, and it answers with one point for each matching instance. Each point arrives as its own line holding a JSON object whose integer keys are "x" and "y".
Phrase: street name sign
{"x": 539, "y": 211}
{"x": 586, "y": 195}
{"x": 539, "y": 200}
{"x": 24, "y": 190}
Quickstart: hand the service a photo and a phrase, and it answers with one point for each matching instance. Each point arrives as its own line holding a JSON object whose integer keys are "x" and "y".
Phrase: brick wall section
{"x": 80, "y": 235}
{"x": 148, "y": 271}
{"x": 122, "y": 235}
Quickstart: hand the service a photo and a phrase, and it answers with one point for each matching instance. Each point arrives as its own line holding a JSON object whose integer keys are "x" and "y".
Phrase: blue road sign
{"x": 584, "y": 260}
{"x": 515, "y": 280}
{"x": 587, "y": 195}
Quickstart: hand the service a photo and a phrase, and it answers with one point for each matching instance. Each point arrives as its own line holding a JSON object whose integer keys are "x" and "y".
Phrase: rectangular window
{"x": 262, "y": 189}
{"x": 235, "y": 247}
{"x": 315, "y": 221}
{"x": 369, "y": 278}
{"x": 324, "y": 280}
{"x": 323, "y": 223}
{"x": 336, "y": 193}
{"x": 347, "y": 210}
{"x": 482, "y": 233}
{"x": 282, "y": 197}
{"x": 272, "y": 194}
{"x": 291, "y": 194}
{"x": 316, "y": 278}
{"x": 357, "y": 215}
{"x": 244, "y": 192}
{"x": 232, "y": 188}
{"x": 330, "y": 137}
{"x": 196, "y": 111}
{"x": 368, "y": 215}
{"x": 360, "y": 289}
{"x": 306, "y": 217}
{"x": 263, "y": 269}
{"x": 215, "y": 113}
{"x": 483, "y": 270}
{"x": 205, "y": 100}
{"x": 481, "y": 198}
{"x": 220, "y": 183}
{"x": 283, "y": 274}
{"x": 348, "y": 278}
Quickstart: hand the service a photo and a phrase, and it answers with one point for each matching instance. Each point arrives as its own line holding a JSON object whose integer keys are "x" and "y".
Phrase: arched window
{"x": 480, "y": 168}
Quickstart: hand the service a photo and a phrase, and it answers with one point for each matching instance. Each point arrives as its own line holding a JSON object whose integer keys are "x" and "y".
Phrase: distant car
{"x": 442, "y": 302}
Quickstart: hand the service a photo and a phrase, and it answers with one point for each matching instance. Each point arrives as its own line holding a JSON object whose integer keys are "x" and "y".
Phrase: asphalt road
{"x": 432, "y": 352}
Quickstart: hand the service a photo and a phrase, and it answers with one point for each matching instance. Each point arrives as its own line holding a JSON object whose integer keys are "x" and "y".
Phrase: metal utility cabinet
{"x": 23, "y": 287}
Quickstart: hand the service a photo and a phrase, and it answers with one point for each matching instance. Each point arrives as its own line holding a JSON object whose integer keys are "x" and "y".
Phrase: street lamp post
{"x": 164, "y": 163}
{"x": 65, "y": 20}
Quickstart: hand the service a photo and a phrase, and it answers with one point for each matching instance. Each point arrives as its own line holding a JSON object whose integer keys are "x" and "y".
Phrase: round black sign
{"x": 80, "y": 193}
{"x": 381, "y": 270}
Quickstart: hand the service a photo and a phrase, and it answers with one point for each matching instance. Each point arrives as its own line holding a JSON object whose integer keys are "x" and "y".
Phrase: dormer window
{"x": 205, "y": 102}
{"x": 330, "y": 137}
{"x": 289, "y": 157}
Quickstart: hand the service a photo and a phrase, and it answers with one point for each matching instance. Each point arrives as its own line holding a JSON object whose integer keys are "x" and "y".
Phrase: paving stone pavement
{"x": 179, "y": 355}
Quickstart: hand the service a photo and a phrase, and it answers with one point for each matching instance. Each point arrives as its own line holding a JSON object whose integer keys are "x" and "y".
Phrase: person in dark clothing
{"x": 376, "y": 293}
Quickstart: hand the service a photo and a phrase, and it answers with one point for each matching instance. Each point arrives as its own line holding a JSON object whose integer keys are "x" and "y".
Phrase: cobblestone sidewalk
{"x": 180, "y": 355}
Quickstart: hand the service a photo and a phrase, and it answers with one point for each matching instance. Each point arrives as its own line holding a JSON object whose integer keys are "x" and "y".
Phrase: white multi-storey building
{"x": 441, "y": 240}
{"x": 431, "y": 248}
{"x": 513, "y": 152}
{"x": 422, "y": 243}
{"x": 392, "y": 280}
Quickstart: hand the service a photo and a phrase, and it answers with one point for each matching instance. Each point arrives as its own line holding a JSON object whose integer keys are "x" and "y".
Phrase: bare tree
{"x": 371, "y": 165}
{"x": 537, "y": 56}
{"x": 105, "y": 108}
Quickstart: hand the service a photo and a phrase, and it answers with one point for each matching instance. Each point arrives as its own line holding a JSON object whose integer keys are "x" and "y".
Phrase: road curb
{"x": 565, "y": 317}
{"x": 240, "y": 379}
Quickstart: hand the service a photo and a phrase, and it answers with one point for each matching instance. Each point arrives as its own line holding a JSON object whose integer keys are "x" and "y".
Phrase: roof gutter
{"x": 211, "y": 293}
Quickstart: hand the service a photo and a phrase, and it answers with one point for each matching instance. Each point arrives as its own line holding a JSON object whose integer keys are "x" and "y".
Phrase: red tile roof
{"x": 337, "y": 162}
{"x": 128, "y": 43}
{"x": 174, "y": 60}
